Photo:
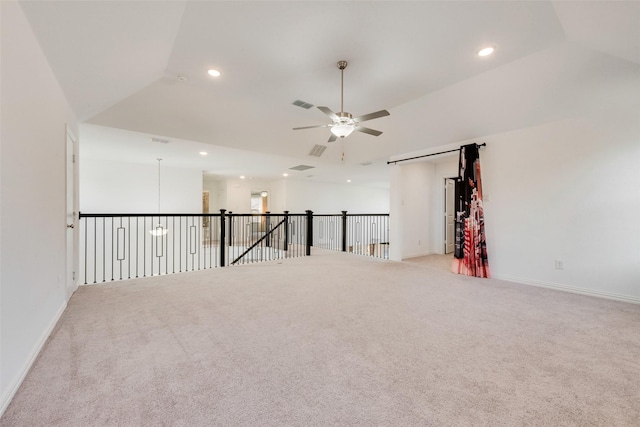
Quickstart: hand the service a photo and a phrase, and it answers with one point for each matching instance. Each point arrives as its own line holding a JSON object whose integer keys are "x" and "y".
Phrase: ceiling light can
{"x": 486, "y": 51}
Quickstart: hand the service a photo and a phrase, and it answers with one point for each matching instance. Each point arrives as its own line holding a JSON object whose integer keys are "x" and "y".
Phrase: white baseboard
{"x": 13, "y": 388}
{"x": 419, "y": 255}
{"x": 568, "y": 288}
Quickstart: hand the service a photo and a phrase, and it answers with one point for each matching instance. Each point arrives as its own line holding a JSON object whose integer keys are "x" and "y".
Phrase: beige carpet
{"x": 334, "y": 339}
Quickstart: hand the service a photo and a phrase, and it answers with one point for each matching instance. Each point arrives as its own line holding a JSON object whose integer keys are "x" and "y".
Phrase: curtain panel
{"x": 470, "y": 253}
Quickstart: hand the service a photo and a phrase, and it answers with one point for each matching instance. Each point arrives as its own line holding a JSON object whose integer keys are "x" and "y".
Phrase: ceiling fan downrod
{"x": 342, "y": 65}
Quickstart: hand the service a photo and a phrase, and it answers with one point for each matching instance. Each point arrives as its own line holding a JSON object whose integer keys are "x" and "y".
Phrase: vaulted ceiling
{"x": 119, "y": 63}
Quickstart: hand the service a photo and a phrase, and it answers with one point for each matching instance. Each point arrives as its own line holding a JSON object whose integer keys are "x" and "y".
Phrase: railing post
{"x": 230, "y": 229}
{"x": 222, "y": 232}
{"x": 309, "y": 232}
{"x": 267, "y": 228}
{"x": 286, "y": 230}
{"x": 344, "y": 231}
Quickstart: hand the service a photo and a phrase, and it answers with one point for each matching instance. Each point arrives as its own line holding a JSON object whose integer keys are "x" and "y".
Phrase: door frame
{"x": 71, "y": 209}
{"x": 444, "y": 212}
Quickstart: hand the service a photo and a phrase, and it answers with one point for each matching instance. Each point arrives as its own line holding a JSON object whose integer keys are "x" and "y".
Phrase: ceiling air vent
{"x": 159, "y": 140}
{"x": 301, "y": 168}
{"x": 317, "y": 150}
{"x": 302, "y": 104}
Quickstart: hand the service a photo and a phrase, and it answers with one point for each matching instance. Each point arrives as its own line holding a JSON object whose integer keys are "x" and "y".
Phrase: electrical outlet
{"x": 559, "y": 264}
{"x": 419, "y": 242}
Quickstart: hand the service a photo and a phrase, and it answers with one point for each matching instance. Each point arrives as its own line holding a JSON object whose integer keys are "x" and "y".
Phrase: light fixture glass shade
{"x": 342, "y": 130}
{"x": 158, "y": 231}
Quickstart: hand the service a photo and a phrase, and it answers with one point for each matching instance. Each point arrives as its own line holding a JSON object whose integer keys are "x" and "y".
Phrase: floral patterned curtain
{"x": 470, "y": 254}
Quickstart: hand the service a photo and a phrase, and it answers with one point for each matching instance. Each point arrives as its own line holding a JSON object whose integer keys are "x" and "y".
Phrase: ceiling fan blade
{"x": 332, "y": 138}
{"x": 329, "y": 113}
{"x": 311, "y": 127}
{"x": 369, "y": 131}
{"x": 371, "y": 116}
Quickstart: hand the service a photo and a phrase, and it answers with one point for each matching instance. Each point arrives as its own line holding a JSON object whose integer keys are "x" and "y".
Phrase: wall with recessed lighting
{"x": 108, "y": 186}
{"x": 565, "y": 191}
{"x": 35, "y": 114}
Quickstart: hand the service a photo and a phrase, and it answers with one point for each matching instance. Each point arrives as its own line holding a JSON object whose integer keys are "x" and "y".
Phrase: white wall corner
{"x": 395, "y": 213}
{"x": 13, "y": 386}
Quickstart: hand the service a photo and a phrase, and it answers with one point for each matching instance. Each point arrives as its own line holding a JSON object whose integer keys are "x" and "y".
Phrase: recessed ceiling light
{"x": 241, "y": 176}
{"x": 485, "y": 51}
{"x": 285, "y": 174}
{"x": 203, "y": 153}
{"x": 348, "y": 180}
{"x": 213, "y": 72}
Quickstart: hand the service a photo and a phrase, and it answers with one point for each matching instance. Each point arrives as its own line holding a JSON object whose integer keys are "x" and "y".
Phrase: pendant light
{"x": 158, "y": 230}
{"x": 344, "y": 126}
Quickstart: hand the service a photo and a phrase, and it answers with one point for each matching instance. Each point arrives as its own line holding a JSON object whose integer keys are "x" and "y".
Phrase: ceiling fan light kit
{"x": 342, "y": 130}
{"x": 343, "y": 122}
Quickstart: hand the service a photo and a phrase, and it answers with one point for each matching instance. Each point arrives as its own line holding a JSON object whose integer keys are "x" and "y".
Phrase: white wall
{"x": 215, "y": 193}
{"x": 417, "y": 205}
{"x": 417, "y": 199}
{"x": 568, "y": 190}
{"x": 32, "y": 179}
{"x": 278, "y": 196}
{"x": 298, "y": 196}
{"x": 119, "y": 187}
{"x": 327, "y": 198}
{"x": 238, "y": 194}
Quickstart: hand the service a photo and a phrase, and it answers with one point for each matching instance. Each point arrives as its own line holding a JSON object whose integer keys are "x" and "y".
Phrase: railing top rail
{"x": 273, "y": 214}
{"x": 265, "y": 214}
{"x": 355, "y": 214}
{"x": 118, "y": 215}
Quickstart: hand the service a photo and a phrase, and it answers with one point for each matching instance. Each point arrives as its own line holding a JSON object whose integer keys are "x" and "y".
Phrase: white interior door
{"x": 449, "y": 212}
{"x": 71, "y": 223}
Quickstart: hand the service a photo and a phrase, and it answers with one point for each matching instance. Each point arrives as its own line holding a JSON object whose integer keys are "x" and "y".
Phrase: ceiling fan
{"x": 344, "y": 123}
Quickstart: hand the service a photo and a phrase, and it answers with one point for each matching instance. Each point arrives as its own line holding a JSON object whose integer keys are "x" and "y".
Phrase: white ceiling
{"x": 118, "y": 64}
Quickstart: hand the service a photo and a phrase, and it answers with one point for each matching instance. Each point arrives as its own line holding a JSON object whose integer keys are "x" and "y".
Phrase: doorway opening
{"x": 259, "y": 205}
{"x": 449, "y": 215}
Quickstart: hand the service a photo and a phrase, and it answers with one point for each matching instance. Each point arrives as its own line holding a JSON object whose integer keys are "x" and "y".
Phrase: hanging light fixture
{"x": 342, "y": 130}
{"x": 159, "y": 229}
{"x": 344, "y": 126}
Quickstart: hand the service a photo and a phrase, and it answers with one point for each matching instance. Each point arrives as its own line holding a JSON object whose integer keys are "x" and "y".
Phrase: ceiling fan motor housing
{"x": 344, "y": 117}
